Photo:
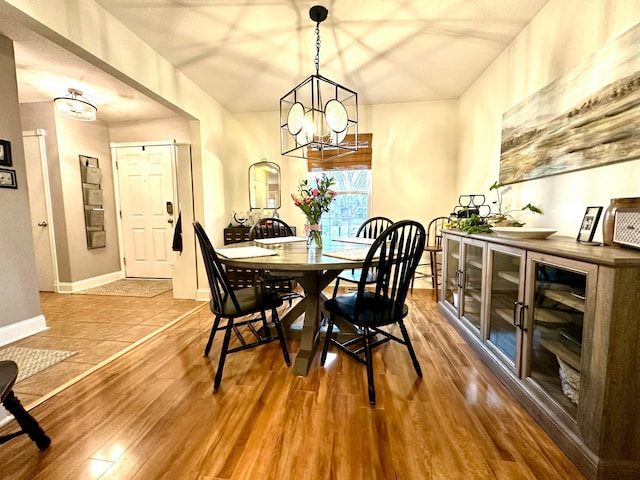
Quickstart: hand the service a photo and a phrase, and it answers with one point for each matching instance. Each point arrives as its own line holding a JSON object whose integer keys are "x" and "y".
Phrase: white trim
{"x": 70, "y": 287}
{"x": 203, "y": 294}
{"x": 19, "y": 330}
{"x": 141, "y": 144}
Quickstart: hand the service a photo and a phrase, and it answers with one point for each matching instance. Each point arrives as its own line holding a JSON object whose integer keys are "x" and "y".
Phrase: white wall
{"x": 414, "y": 160}
{"x": 562, "y": 35}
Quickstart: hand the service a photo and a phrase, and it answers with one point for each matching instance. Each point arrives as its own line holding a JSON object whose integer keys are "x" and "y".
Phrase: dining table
{"x": 314, "y": 268}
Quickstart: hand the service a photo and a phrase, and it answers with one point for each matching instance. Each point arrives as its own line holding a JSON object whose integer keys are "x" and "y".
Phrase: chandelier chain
{"x": 317, "y": 60}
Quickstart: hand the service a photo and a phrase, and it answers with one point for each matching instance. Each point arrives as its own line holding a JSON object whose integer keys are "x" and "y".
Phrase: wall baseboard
{"x": 71, "y": 287}
{"x": 19, "y": 330}
{"x": 203, "y": 294}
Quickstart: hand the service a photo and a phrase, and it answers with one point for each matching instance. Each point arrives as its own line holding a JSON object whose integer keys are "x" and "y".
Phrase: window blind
{"x": 359, "y": 160}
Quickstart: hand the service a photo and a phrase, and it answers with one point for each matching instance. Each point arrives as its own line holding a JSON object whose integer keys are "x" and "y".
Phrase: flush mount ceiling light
{"x": 75, "y": 106}
{"x": 317, "y": 115}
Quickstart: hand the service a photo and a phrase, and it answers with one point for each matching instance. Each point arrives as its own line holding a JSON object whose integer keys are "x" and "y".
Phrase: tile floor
{"x": 96, "y": 327}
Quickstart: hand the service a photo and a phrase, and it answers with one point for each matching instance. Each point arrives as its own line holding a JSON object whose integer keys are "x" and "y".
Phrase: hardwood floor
{"x": 151, "y": 414}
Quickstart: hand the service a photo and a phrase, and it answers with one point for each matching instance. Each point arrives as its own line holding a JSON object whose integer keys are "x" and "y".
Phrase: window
{"x": 351, "y": 207}
{"x": 352, "y": 174}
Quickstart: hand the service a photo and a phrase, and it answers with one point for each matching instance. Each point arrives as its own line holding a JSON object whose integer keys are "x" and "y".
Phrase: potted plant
{"x": 505, "y": 218}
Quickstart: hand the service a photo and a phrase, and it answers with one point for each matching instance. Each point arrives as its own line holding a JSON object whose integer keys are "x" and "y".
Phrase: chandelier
{"x": 318, "y": 114}
{"x": 75, "y": 106}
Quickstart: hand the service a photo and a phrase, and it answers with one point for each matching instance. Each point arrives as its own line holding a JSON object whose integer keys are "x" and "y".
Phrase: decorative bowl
{"x": 523, "y": 233}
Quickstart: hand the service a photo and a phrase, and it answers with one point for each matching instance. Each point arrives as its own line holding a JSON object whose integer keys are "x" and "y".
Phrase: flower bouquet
{"x": 314, "y": 201}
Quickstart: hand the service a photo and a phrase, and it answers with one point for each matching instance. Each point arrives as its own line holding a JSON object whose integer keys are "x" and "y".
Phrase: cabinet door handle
{"x": 515, "y": 308}
{"x": 518, "y": 316}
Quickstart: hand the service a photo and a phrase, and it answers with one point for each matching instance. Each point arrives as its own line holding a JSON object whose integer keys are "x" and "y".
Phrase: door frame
{"x": 116, "y": 185}
{"x": 44, "y": 167}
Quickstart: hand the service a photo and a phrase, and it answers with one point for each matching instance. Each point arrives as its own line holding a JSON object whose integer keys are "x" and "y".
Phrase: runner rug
{"x": 131, "y": 287}
{"x": 33, "y": 360}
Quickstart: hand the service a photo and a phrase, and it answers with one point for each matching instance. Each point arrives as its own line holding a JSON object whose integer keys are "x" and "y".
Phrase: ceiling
{"x": 248, "y": 53}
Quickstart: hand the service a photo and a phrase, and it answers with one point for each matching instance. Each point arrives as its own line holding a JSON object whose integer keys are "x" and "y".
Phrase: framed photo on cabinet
{"x": 589, "y": 224}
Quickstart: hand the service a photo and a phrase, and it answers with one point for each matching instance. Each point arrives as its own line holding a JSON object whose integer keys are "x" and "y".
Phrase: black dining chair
{"x": 283, "y": 285}
{"x": 394, "y": 255}
{"x": 433, "y": 248}
{"x": 371, "y": 228}
{"x": 233, "y": 304}
{"x": 28, "y": 424}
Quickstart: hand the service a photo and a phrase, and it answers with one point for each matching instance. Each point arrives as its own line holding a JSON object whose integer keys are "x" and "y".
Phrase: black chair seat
{"x": 373, "y": 311}
{"x": 251, "y": 300}
{"x": 29, "y": 425}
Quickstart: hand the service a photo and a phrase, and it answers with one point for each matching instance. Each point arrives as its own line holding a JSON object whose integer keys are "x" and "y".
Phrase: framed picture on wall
{"x": 588, "y": 225}
{"x": 5, "y": 153}
{"x": 8, "y": 178}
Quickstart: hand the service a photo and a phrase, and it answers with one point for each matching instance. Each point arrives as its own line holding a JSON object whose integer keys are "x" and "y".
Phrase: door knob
{"x": 42, "y": 224}
{"x": 170, "y": 221}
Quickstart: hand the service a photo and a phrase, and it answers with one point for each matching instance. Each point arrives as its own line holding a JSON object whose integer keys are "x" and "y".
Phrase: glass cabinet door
{"x": 505, "y": 294}
{"x": 452, "y": 268}
{"x": 471, "y": 294}
{"x": 558, "y": 305}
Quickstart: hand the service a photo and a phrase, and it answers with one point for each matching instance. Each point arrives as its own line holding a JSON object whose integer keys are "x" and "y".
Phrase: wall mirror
{"x": 264, "y": 185}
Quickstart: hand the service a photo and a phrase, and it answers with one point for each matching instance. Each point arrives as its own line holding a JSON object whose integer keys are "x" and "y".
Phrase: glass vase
{"x": 314, "y": 235}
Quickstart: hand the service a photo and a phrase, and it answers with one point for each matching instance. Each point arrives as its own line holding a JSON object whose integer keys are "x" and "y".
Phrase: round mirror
{"x": 264, "y": 185}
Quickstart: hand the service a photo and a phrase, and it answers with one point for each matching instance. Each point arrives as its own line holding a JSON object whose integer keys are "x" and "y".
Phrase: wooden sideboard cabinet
{"x": 558, "y": 323}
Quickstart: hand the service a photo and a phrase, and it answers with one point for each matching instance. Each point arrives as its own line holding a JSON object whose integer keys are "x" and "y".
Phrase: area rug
{"x": 131, "y": 287}
{"x": 33, "y": 360}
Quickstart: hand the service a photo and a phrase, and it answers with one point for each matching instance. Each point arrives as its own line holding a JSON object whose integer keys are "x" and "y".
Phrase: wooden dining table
{"x": 314, "y": 270}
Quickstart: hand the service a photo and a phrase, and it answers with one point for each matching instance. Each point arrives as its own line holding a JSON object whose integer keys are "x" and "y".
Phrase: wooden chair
{"x": 283, "y": 285}
{"x": 233, "y": 304}
{"x": 371, "y": 228}
{"x": 433, "y": 248}
{"x": 395, "y": 254}
{"x": 29, "y": 425}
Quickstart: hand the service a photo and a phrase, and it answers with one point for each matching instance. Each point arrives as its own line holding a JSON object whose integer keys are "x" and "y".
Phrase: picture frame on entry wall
{"x": 589, "y": 224}
{"x": 5, "y": 153}
{"x": 8, "y": 178}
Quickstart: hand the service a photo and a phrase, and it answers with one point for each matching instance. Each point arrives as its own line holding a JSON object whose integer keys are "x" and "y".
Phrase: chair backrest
{"x": 395, "y": 255}
{"x": 218, "y": 281}
{"x": 270, "y": 228}
{"x": 434, "y": 231}
{"x": 373, "y": 227}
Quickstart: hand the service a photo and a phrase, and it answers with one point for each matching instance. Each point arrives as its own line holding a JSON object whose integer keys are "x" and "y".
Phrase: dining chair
{"x": 433, "y": 248}
{"x": 233, "y": 304}
{"x": 28, "y": 424}
{"x": 394, "y": 255}
{"x": 283, "y": 285}
{"x": 371, "y": 228}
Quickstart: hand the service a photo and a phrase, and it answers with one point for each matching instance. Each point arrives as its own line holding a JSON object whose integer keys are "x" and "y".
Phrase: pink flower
{"x": 297, "y": 203}
{"x": 307, "y": 201}
{"x": 332, "y": 193}
{"x": 315, "y": 192}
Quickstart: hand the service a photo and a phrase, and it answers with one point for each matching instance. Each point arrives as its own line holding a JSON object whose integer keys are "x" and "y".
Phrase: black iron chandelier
{"x": 319, "y": 117}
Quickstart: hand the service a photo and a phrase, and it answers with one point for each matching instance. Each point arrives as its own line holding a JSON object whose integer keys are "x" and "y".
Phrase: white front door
{"x": 145, "y": 177}
{"x": 41, "y": 223}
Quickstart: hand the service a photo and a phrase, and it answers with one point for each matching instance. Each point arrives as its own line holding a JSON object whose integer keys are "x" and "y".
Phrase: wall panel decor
{"x": 587, "y": 118}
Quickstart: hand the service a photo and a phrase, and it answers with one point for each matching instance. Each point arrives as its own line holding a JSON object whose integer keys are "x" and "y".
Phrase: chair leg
{"x": 412, "y": 353}
{"x": 369, "y": 363}
{"x": 28, "y": 424}
{"x": 223, "y": 354}
{"x": 327, "y": 339}
{"x": 335, "y": 289}
{"x": 283, "y": 345}
{"x": 214, "y": 328}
